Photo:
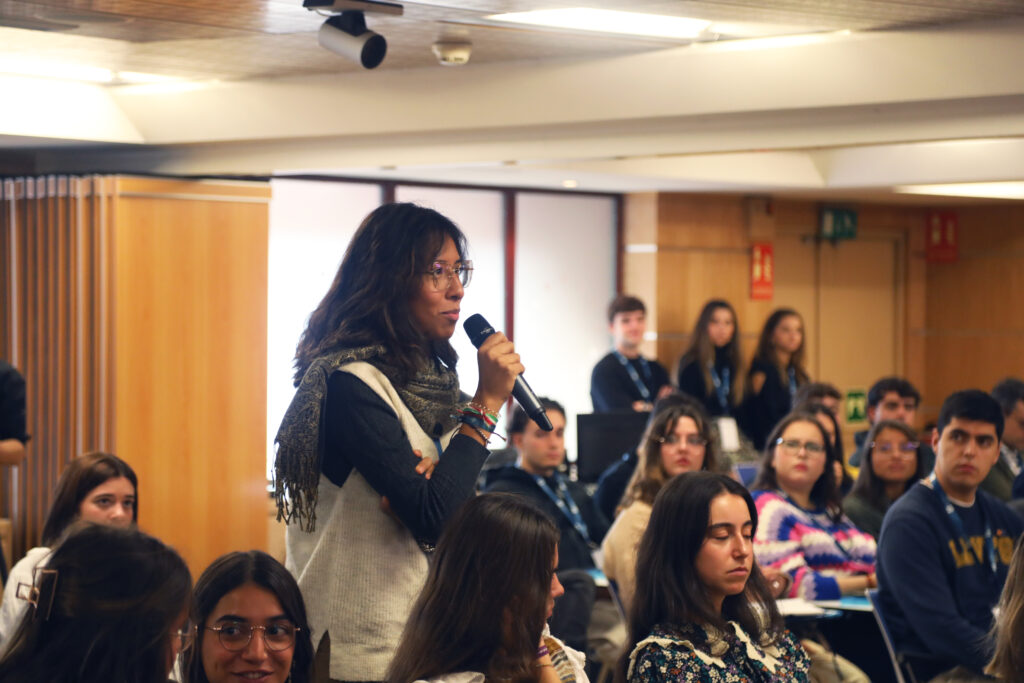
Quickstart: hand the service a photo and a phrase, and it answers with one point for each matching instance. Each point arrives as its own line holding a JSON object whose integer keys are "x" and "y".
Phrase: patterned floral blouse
{"x": 688, "y": 653}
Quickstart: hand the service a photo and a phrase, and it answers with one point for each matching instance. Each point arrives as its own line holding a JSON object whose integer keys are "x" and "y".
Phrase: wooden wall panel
{"x": 974, "y": 332}
{"x": 55, "y": 328}
{"x": 191, "y": 307}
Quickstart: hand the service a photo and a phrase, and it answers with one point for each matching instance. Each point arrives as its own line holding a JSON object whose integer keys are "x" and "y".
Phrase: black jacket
{"x": 573, "y": 549}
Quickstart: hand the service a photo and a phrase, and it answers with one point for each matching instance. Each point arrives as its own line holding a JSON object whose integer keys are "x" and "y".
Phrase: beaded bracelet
{"x": 490, "y": 418}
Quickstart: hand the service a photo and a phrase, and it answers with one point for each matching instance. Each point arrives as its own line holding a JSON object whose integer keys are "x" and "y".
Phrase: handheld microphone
{"x": 479, "y": 330}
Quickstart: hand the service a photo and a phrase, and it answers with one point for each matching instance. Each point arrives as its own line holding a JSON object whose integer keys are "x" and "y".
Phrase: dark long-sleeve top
{"x": 574, "y": 551}
{"x": 612, "y": 389}
{"x": 691, "y": 381}
{"x": 763, "y": 410}
{"x": 362, "y": 431}
{"x": 612, "y": 484}
{"x": 12, "y": 404}
{"x": 935, "y": 596}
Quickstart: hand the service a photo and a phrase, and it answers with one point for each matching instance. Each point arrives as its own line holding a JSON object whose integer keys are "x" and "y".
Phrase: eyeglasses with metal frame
{"x": 235, "y": 636}
{"x": 443, "y": 273}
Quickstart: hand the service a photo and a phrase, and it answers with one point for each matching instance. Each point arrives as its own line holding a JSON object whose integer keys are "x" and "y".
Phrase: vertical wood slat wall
{"x": 143, "y": 300}
{"x": 55, "y": 328}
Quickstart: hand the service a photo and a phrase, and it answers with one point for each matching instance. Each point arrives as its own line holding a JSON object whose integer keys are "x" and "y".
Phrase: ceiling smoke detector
{"x": 452, "y": 52}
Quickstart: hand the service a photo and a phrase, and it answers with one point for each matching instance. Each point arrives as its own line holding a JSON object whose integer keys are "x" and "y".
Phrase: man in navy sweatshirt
{"x": 946, "y": 545}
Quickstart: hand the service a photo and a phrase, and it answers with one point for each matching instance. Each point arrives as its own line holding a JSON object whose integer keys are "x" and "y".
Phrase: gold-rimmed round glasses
{"x": 236, "y": 635}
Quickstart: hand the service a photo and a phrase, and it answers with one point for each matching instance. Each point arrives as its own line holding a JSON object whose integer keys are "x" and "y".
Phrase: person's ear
{"x": 517, "y": 440}
{"x": 935, "y": 438}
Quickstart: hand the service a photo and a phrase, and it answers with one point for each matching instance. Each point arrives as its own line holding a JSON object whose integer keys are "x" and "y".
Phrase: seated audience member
{"x": 775, "y": 374}
{"x": 709, "y": 370}
{"x": 110, "y": 605}
{"x": 830, "y": 424}
{"x": 802, "y": 529}
{"x": 702, "y": 610}
{"x": 250, "y": 624}
{"x": 491, "y": 586}
{"x": 945, "y": 545}
{"x": 13, "y": 434}
{"x": 581, "y": 525}
{"x": 612, "y": 484}
{"x": 1007, "y": 662}
{"x": 96, "y": 487}
{"x": 624, "y": 380}
{"x": 819, "y": 392}
{"x": 892, "y": 398}
{"x": 677, "y": 440}
{"x": 1004, "y": 481}
{"x": 890, "y": 467}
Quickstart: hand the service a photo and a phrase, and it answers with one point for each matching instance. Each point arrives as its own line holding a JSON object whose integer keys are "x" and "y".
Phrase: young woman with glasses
{"x": 802, "y": 528}
{"x": 110, "y": 605}
{"x": 677, "y": 440}
{"x": 96, "y": 487}
{"x": 702, "y": 610}
{"x": 377, "y": 390}
{"x": 481, "y": 614}
{"x": 889, "y": 468}
{"x": 250, "y": 624}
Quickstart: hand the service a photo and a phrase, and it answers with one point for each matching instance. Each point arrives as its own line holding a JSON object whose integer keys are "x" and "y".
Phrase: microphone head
{"x": 478, "y": 329}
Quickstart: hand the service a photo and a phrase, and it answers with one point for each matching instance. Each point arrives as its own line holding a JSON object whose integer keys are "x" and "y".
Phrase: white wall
{"x": 565, "y": 277}
{"x": 311, "y": 224}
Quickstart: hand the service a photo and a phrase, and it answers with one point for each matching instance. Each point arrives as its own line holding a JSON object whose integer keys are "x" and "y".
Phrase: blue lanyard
{"x": 958, "y": 526}
{"x": 722, "y": 385}
{"x": 792, "y": 383}
{"x": 645, "y": 393}
{"x": 565, "y": 503}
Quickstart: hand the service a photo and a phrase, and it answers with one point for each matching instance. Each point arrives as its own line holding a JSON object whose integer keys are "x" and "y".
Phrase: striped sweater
{"x": 809, "y": 546}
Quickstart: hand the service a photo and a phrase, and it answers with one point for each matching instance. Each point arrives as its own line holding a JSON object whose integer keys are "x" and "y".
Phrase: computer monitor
{"x": 602, "y": 438}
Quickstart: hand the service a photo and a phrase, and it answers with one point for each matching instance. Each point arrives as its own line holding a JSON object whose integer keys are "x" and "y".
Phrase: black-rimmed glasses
{"x": 442, "y": 274}
{"x": 236, "y": 635}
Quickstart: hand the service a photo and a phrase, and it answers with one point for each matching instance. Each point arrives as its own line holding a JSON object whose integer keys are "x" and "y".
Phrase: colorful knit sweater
{"x": 809, "y": 546}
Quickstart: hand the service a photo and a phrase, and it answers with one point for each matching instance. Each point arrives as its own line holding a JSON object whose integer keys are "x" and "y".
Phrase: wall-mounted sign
{"x": 856, "y": 405}
{"x": 762, "y": 270}
{"x": 838, "y": 224}
{"x": 940, "y": 240}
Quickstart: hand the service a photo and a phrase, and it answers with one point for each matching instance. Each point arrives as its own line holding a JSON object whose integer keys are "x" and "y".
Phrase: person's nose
{"x": 256, "y": 650}
{"x": 741, "y": 547}
{"x": 455, "y": 290}
{"x": 556, "y": 586}
{"x": 118, "y": 513}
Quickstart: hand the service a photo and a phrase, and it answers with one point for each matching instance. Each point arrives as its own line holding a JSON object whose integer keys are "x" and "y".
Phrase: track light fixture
{"x": 345, "y": 32}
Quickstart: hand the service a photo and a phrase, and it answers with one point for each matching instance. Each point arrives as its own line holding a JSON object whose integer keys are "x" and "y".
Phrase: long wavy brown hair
{"x": 650, "y": 475}
{"x": 485, "y": 600}
{"x": 368, "y": 302}
{"x": 1008, "y": 628}
{"x": 702, "y": 350}
{"x": 765, "y": 352}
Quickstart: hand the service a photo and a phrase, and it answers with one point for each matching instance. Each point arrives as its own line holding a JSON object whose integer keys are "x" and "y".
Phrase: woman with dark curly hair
{"x": 378, "y": 391}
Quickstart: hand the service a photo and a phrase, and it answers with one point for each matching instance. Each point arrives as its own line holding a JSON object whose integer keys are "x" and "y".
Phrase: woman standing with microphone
{"x": 377, "y": 391}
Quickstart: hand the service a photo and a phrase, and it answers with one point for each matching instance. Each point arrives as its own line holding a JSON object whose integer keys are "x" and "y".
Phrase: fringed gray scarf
{"x": 431, "y": 395}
